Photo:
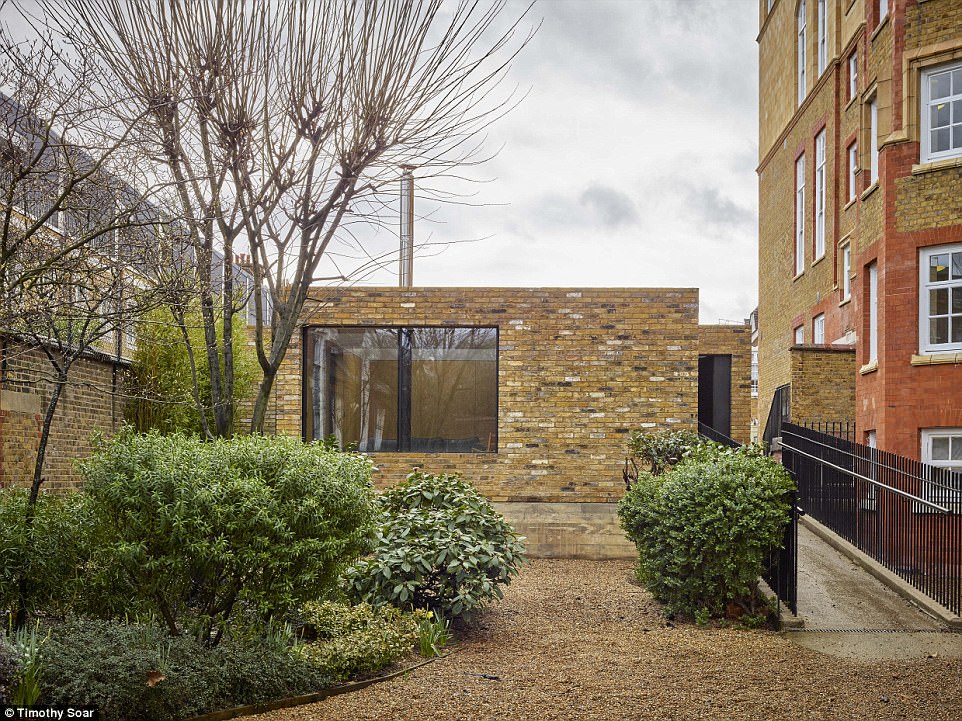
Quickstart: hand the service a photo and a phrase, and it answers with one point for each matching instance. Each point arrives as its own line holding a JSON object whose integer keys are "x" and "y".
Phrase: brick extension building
{"x": 860, "y": 218}
{"x": 530, "y": 393}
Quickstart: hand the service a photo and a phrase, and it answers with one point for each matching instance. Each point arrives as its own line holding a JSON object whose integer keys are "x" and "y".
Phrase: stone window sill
{"x": 869, "y": 190}
{"x": 936, "y": 165}
{"x": 868, "y": 368}
{"x": 937, "y": 358}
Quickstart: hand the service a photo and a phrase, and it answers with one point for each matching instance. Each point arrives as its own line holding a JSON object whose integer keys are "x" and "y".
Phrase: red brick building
{"x": 860, "y": 217}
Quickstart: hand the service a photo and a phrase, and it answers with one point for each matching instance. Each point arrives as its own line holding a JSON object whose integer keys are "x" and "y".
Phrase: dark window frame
{"x": 404, "y": 373}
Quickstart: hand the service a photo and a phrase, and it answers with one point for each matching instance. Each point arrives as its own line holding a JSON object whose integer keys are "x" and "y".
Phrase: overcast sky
{"x": 631, "y": 162}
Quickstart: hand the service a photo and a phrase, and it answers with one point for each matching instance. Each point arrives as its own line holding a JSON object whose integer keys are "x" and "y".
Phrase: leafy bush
{"x": 161, "y": 381}
{"x": 704, "y": 529}
{"x": 662, "y": 450}
{"x": 357, "y": 640}
{"x": 48, "y": 551}
{"x": 441, "y": 547}
{"x": 139, "y": 673}
{"x": 192, "y": 531}
{"x": 9, "y": 670}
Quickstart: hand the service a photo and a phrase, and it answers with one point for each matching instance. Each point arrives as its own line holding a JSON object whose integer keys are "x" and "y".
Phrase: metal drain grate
{"x": 869, "y": 630}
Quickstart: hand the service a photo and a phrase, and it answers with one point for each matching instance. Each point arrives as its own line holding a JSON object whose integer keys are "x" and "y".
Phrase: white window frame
{"x": 801, "y": 55}
{"x": 853, "y": 75}
{"x": 799, "y": 334}
{"x": 800, "y": 215}
{"x": 873, "y": 141}
{"x": 847, "y": 271}
{"x": 873, "y": 312}
{"x": 820, "y": 153}
{"x": 883, "y": 10}
{"x": 852, "y": 171}
{"x": 925, "y": 286}
{"x": 953, "y": 100}
{"x": 822, "y": 37}
{"x": 950, "y": 497}
{"x": 818, "y": 329}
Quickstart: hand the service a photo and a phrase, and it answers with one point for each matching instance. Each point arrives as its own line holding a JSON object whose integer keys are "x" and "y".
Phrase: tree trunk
{"x": 23, "y": 584}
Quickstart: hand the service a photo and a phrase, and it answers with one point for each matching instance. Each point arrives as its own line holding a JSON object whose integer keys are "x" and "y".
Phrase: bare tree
{"x": 77, "y": 245}
{"x": 279, "y": 124}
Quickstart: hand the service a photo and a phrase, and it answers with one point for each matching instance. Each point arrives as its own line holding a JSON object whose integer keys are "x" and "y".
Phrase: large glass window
{"x": 942, "y": 112}
{"x": 403, "y": 389}
{"x": 941, "y": 303}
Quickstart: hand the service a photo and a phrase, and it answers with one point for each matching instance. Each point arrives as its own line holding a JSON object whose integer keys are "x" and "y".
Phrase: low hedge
{"x": 137, "y": 672}
{"x": 192, "y": 531}
{"x": 704, "y": 528}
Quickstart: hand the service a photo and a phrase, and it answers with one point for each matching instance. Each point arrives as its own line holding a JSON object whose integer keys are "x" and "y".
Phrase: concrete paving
{"x": 848, "y": 612}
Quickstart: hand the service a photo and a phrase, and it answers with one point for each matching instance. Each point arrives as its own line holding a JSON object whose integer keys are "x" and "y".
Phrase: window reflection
{"x": 403, "y": 389}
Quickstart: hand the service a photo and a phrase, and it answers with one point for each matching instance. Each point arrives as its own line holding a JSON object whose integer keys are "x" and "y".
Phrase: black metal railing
{"x": 778, "y": 413}
{"x": 717, "y": 436}
{"x": 839, "y": 429}
{"x": 781, "y": 566}
{"x": 905, "y": 514}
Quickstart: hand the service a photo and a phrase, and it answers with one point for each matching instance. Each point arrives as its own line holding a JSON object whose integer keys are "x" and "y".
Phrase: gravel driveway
{"x": 575, "y": 640}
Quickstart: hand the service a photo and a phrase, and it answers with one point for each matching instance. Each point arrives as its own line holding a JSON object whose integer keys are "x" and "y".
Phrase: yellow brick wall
{"x": 86, "y": 406}
{"x": 823, "y": 384}
{"x": 784, "y": 130}
{"x": 736, "y": 341}
{"x": 578, "y": 369}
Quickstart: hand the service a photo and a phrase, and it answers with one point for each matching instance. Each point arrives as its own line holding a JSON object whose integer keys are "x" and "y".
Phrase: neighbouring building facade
{"x": 860, "y": 219}
{"x": 530, "y": 393}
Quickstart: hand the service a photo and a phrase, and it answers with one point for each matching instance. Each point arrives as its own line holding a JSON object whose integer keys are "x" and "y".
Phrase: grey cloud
{"x": 612, "y": 207}
{"x": 717, "y": 210}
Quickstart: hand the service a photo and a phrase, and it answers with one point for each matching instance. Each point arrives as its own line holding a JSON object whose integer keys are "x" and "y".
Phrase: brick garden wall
{"x": 86, "y": 406}
{"x": 736, "y": 341}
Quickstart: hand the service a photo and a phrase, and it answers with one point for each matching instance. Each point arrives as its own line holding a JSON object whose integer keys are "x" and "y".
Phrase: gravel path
{"x": 575, "y": 640}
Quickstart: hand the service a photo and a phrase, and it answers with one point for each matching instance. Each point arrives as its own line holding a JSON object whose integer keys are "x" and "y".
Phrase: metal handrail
{"x": 898, "y": 491}
{"x": 874, "y": 461}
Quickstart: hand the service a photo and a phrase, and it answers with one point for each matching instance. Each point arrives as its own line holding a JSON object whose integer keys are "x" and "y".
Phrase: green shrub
{"x": 49, "y": 552}
{"x": 441, "y": 547}
{"x": 9, "y": 670}
{"x": 661, "y": 450}
{"x": 193, "y": 531}
{"x": 704, "y": 529}
{"x": 139, "y": 673}
{"x": 360, "y": 639}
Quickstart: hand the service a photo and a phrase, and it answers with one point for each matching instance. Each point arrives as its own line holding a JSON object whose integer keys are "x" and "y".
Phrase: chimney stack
{"x": 406, "y": 270}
